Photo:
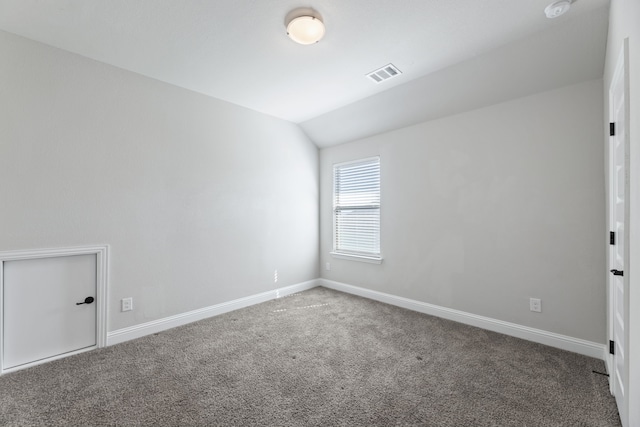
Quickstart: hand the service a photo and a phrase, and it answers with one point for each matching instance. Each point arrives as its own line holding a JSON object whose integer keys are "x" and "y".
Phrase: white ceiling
{"x": 238, "y": 51}
{"x": 559, "y": 56}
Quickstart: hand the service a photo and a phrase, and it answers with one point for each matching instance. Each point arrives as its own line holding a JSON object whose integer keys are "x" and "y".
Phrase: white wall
{"x": 485, "y": 209}
{"x": 624, "y": 22}
{"x": 199, "y": 199}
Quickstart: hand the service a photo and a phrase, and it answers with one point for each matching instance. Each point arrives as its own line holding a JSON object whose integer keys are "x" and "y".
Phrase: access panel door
{"x": 49, "y": 307}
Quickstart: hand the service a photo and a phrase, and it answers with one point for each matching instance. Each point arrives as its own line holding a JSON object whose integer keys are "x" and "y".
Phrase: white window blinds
{"x": 356, "y": 207}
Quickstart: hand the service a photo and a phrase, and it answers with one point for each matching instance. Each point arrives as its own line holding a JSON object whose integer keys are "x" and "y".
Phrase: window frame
{"x": 369, "y": 257}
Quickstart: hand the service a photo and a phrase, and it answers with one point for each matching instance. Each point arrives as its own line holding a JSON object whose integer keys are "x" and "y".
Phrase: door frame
{"x": 102, "y": 275}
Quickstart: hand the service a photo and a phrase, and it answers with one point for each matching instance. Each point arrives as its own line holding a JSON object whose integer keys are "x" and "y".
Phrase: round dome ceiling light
{"x": 305, "y": 29}
{"x": 557, "y": 8}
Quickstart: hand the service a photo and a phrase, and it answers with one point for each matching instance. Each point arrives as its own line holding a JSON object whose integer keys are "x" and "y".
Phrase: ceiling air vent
{"x": 384, "y": 73}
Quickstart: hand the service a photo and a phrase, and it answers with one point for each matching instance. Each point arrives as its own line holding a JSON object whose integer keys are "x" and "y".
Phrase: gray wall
{"x": 483, "y": 210}
{"x": 199, "y": 199}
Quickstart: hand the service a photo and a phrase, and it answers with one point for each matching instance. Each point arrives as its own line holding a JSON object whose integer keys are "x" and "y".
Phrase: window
{"x": 356, "y": 210}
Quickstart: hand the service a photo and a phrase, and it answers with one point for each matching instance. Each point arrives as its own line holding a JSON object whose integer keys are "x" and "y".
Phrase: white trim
{"x": 48, "y": 359}
{"x": 354, "y": 257}
{"x": 552, "y": 339}
{"x": 102, "y": 280}
{"x": 148, "y": 328}
{"x": 355, "y": 162}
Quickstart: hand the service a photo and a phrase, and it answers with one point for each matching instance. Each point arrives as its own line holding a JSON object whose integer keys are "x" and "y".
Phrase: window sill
{"x": 362, "y": 258}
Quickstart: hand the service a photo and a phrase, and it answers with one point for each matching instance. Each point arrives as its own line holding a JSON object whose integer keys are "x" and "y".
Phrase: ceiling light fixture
{"x": 557, "y": 8}
{"x": 305, "y": 29}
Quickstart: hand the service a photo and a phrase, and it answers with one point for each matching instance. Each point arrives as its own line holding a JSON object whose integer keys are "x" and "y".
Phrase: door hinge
{"x": 612, "y": 237}
{"x": 612, "y": 129}
{"x": 612, "y": 347}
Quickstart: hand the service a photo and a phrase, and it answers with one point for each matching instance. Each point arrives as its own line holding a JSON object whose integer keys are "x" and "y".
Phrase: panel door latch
{"x": 87, "y": 300}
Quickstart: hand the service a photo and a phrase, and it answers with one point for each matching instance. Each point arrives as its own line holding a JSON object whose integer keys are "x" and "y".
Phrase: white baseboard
{"x": 137, "y": 331}
{"x": 552, "y": 339}
{"x": 563, "y": 342}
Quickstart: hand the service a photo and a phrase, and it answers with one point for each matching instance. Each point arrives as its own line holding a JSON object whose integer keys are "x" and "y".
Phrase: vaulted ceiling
{"x": 454, "y": 55}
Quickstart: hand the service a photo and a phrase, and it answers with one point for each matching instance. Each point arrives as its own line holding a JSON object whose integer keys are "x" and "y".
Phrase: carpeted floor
{"x": 318, "y": 358}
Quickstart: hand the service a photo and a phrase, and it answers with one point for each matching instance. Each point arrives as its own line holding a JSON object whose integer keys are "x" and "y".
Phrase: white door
{"x": 618, "y": 182}
{"x": 45, "y": 313}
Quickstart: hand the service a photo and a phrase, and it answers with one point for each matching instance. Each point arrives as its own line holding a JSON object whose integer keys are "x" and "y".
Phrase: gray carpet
{"x": 318, "y": 358}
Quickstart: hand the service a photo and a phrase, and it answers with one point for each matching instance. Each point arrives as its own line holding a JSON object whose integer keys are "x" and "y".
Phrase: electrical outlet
{"x": 535, "y": 304}
{"x": 275, "y": 276}
{"x": 127, "y": 304}
{"x": 327, "y": 266}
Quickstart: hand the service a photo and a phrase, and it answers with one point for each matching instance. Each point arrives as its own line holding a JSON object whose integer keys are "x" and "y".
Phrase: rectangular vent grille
{"x": 385, "y": 73}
